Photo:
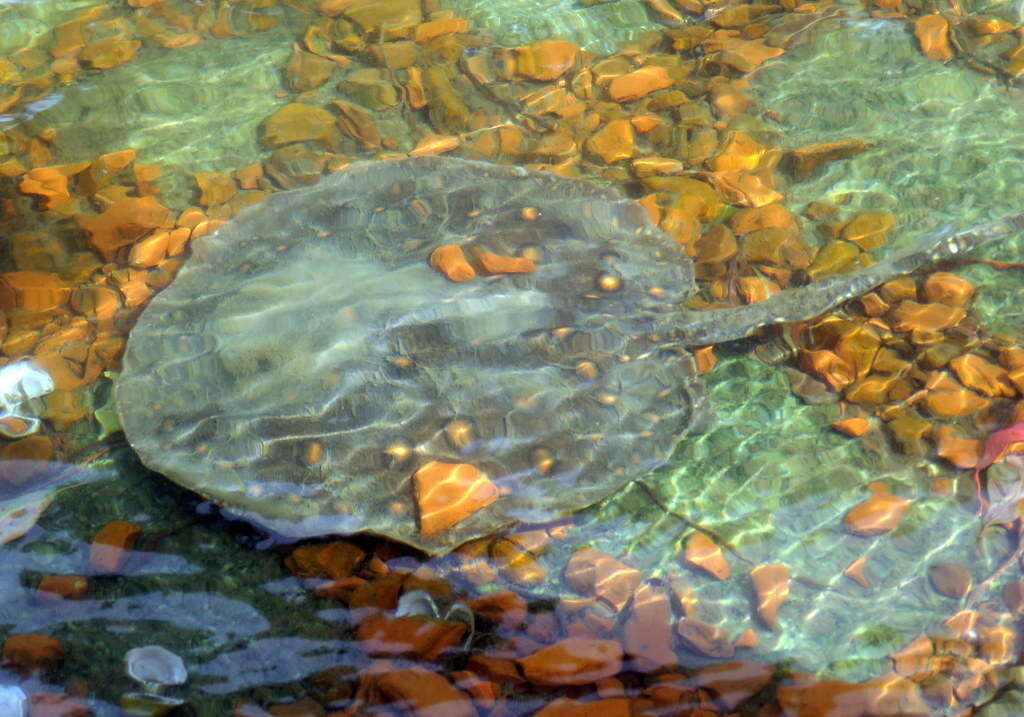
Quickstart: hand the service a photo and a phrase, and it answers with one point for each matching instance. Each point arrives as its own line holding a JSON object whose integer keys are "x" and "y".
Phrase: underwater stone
{"x": 154, "y": 667}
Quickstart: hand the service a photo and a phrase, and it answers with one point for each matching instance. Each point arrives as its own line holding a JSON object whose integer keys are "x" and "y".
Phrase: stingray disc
{"x": 308, "y": 361}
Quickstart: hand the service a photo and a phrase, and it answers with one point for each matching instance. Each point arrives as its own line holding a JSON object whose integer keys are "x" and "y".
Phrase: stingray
{"x": 308, "y": 360}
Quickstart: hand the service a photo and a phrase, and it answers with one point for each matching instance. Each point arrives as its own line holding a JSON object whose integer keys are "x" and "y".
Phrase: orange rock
{"x": 424, "y": 694}
{"x": 515, "y": 563}
{"x": 335, "y": 560}
{"x": 423, "y": 638}
{"x": 770, "y": 216}
{"x": 910, "y": 315}
{"x": 447, "y": 493}
{"x": 565, "y": 707}
{"x": 806, "y": 160}
{"x": 835, "y": 257}
{"x": 572, "y": 661}
{"x": 932, "y": 33}
{"x": 746, "y": 189}
{"x": 52, "y": 704}
{"x": 835, "y": 699}
{"x": 613, "y": 142}
{"x": 31, "y": 652}
{"x": 123, "y": 223}
{"x": 702, "y": 552}
{"x": 852, "y": 427}
{"x": 296, "y": 122}
{"x": 496, "y": 264}
{"x": 215, "y": 188}
{"x": 878, "y": 514}
{"x": 506, "y": 608}
{"x": 949, "y": 289}
{"x": 546, "y": 60}
{"x": 739, "y": 151}
{"x": 705, "y": 359}
{"x": 495, "y": 669}
{"x": 109, "y": 52}
{"x": 450, "y": 261}
{"x": 110, "y": 546}
{"x": 855, "y": 571}
{"x": 826, "y": 365}
{"x": 771, "y": 588}
{"x": 954, "y": 402}
{"x": 485, "y": 693}
{"x": 49, "y": 183}
{"x": 435, "y": 144}
{"x": 984, "y": 377}
{"x": 867, "y": 230}
{"x": 650, "y": 166}
{"x": 427, "y": 31}
{"x": 726, "y": 47}
{"x": 950, "y": 579}
{"x": 639, "y": 83}
{"x": 147, "y": 253}
{"x": 592, "y": 572}
{"x": 54, "y": 588}
{"x": 747, "y": 638}
{"x": 704, "y": 639}
{"x": 647, "y": 633}
{"x": 33, "y": 291}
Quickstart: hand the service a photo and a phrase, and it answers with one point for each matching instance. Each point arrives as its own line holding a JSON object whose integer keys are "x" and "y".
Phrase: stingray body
{"x": 307, "y": 360}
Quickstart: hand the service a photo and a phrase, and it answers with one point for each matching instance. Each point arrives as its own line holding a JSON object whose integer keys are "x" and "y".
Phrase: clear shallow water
{"x": 771, "y": 477}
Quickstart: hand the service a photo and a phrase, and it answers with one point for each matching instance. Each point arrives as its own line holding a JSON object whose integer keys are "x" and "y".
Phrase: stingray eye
{"x": 607, "y": 281}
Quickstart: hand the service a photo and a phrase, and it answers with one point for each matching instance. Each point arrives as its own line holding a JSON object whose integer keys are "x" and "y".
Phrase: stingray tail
{"x": 697, "y": 328}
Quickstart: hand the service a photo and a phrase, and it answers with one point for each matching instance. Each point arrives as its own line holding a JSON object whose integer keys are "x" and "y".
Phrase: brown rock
{"x": 771, "y": 588}
{"x": 546, "y": 60}
{"x": 932, "y": 33}
{"x": 408, "y": 636}
{"x": 424, "y": 694}
{"x": 451, "y": 261}
{"x": 613, "y": 142}
{"x": 702, "y": 552}
{"x": 573, "y": 661}
{"x": 447, "y": 493}
{"x": 296, "y": 122}
{"x": 647, "y": 633}
{"x": 878, "y": 514}
{"x": 733, "y": 683}
{"x": 506, "y": 608}
{"x": 949, "y": 289}
{"x": 950, "y": 579}
{"x": 31, "y": 652}
{"x": 592, "y": 572}
{"x": 52, "y": 589}
{"x": 564, "y": 707}
{"x": 704, "y": 639}
{"x": 639, "y": 83}
{"x": 110, "y": 546}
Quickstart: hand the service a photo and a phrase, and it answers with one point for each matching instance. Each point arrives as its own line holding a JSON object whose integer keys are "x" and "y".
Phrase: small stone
{"x": 422, "y": 638}
{"x": 704, "y": 553}
{"x": 296, "y": 122}
{"x": 506, "y": 608}
{"x": 424, "y": 694}
{"x": 867, "y": 230}
{"x": 878, "y": 514}
{"x": 647, "y": 632}
{"x": 855, "y": 571}
{"x": 496, "y": 264}
{"x": 733, "y": 683}
{"x": 613, "y": 142}
{"x": 573, "y": 661}
{"x": 31, "y": 652}
{"x": 546, "y": 60}
{"x": 110, "y": 546}
{"x": 447, "y": 493}
{"x": 909, "y": 315}
{"x": 949, "y": 289}
{"x": 639, "y": 83}
{"x": 52, "y": 589}
{"x": 592, "y": 572}
{"x": 853, "y": 427}
{"x": 451, "y": 261}
{"x": 771, "y": 588}
{"x": 950, "y": 579}
{"x": 932, "y": 33}
{"x": 705, "y": 639}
